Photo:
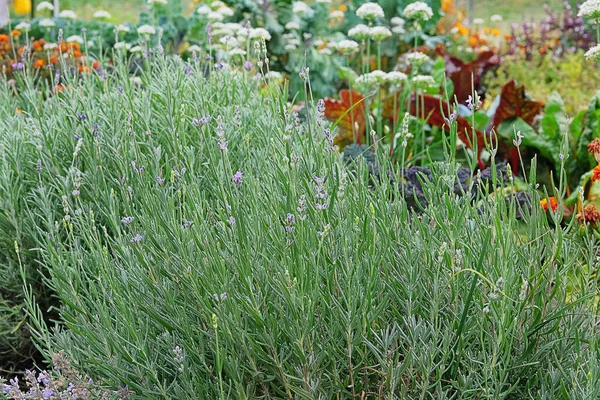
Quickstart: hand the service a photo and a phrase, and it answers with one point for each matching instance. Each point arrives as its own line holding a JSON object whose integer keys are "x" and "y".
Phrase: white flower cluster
{"x": 75, "y": 38}
{"x": 370, "y": 11}
{"x": 398, "y": 25}
{"x": 423, "y": 81}
{"x": 363, "y": 32}
{"x": 146, "y": 30}
{"x": 100, "y": 14}
{"x": 47, "y": 23}
{"x": 44, "y": 5}
{"x": 590, "y": 9}
{"x": 593, "y": 53}
{"x": 378, "y": 77}
{"x": 302, "y": 9}
{"x": 496, "y": 18}
{"x": 161, "y": 2}
{"x": 418, "y": 10}
{"x": 67, "y": 14}
{"x": 417, "y": 58}
{"x": 379, "y": 33}
{"x": 347, "y": 47}
{"x": 23, "y": 26}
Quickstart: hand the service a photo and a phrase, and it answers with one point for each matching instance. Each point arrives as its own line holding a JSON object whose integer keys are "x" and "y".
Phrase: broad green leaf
{"x": 547, "y": 148}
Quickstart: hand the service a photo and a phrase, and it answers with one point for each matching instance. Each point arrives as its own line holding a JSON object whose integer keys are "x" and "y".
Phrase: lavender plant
{"x": 199, "y": 239}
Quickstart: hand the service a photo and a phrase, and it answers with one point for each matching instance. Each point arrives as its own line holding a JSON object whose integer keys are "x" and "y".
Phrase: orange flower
{"x": 507, "y": 37}
{"x": 19, "y": 111}
{"x": 553, "y": 204}
{"x": 16, "y": 32}
{"x": 74, "y": 45}
{"x": 343, "y": 8}
{"x": 39, "y": 63}
{"x": 473, "y": 42}
{"x": 54, "y": 60}
{"x": 84, "y": 69}
{"x": 4, "y": 39}
{"x": 596, "y": 173}
{"x": 461, "y": 29}
{"x": 76, "y": 54}
{"x": 95, "y": 65}
{"x": 590, "y": 214}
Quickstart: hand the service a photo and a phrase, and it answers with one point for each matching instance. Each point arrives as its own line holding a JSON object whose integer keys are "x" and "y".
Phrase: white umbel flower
{"x": 397, "y": 21}
{"x": 67, "y": 14}
{"x": 123, "y": 28}
{"x": 204, "y": 10}
{"x": 417, "y": 58}
{"x": 496, "y": 18}
{"x": 593, "y": 53}
{"x": 347, "y": 47}
{"x": 160, "y": 2}
{"x": 360, "y": 32}
{"x": 146, "y": 30}
{"x": 237, "y": 52}
{"x": 478, "y": 21}
{"x": 379, "y": 33}
{"x": 225, "y": 11}
{"x": 50, "y": 46}
{"x": 398, "y": 30}
{"x": 75, "y": 38}
{"x": 23, "y": 26}
{"x": 423, "y": 81}
{"x": 301, "y": 8}
{"x": 260, "y": 33}
{"x": 122, "y": 45}
{"x": 215, "y": 16}
{"x": 336, "y": 14}
{"x": 418, "y": 10}
{"x": 194, "y": 48}
{"x": 44, "y": 5}
{"x": 374, "y": 78}
{"x": 370, "y": 11}
{"x": 47, "y": 23}
{"x": 395, "y": 77}
{"x": 590, "y": 9}
{"x": 101, "y": 14}
{"x": 292, "y": 26}
{"x": 274, "y": 75}
{"x": 217, "y": 4}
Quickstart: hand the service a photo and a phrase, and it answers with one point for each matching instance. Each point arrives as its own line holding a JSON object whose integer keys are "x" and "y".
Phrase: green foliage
{"x": 574, "y": 78}
{"x": 364, "y": 297}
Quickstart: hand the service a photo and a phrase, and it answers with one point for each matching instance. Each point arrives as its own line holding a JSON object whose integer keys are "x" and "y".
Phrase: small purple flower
{"x": 18, "y": 66}
{"x": 187, "y": 224}
{"x": 237, "y": 178}
{"x": 248, "y": 65}
{"x": 231, "y": 221}
{"x": 47, "y": 393}
{"x": 136, "y": 239}
{"x": 81, "y": 116}
{"x": 208, "y": 33}
{"x": 452, "y": 118}
{"x": 187, "y": 70}
{"x": 518, "y": 140}
{"x": 202, "y": 121}
{"x": 471, "y": 105}
{"x": 219, "y": 65}
{"x": 120, "y": 90}
{"x": 96, "y": 131}
{"x": 160, "y": 180}
{"x": 83, "y": 30}
{"x": 290, "y": 221}
{"x": 127, "y": 220}
{"x": 39, "y": 166}
{"x": 221, "y": 297}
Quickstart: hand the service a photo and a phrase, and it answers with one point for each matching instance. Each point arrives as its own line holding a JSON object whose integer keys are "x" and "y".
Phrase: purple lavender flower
{"x": 127, "y": 220}
{"x": 187, "y": 70}
{"x": 290, "y": 221}
{"x": 83, "y": 30}
{"x": 248, "y": 65}
{"x": 60, "y": 36}
{"x": 81, "y": 116}
{"x": 219, "y": 65}
{"x": 47, "y": 393}
{"x": 18, "y": 66}
{"x": 452, "y": 118}
{"x": 208, "y": 33}
{"x": 471, "y": 105}
{"x": 39, "y": 166}
{"x": 237, "y": 178}
{"x": 120, "y": 90}
{"x": 221, "y": 297}
{"x": 136, "y": 239}
{"x": 96, "y": 131}
{"x": 187, "y": 224}
{"x": 160, "y": 180}
{"x": 231, "y": 221}
{"x": 517, "y": 141}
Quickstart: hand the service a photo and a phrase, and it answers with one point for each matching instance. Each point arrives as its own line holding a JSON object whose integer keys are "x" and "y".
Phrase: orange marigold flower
{"x": 74, "y": 45}
{"x": 4, "y": 39}
{"x": 553, "y": 203}
{"x": 461, "y": 29}
{"x": 19, "y": 111}
{"x": 343, "y": 8}
{"x": 594, "y": 148}
{"x": 76, "y": 54}
{"x": 39, "y": 63}
{"x": 84, "y": 69}
{"x": 507, "y": 37}
{"x": 596, "y": 173}
{"x": 95, "y": 65}
{"x": 15, "y": 32}
{"x": 54, "y": 60}
{"x": 590, "y": 214}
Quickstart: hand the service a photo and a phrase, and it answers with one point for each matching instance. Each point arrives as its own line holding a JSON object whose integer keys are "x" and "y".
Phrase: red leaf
{"x": 513, "y": 103}
{"x": 352, "y": 125}
{"x": 430, "y": 110}
{"x": 461, "y": 73}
